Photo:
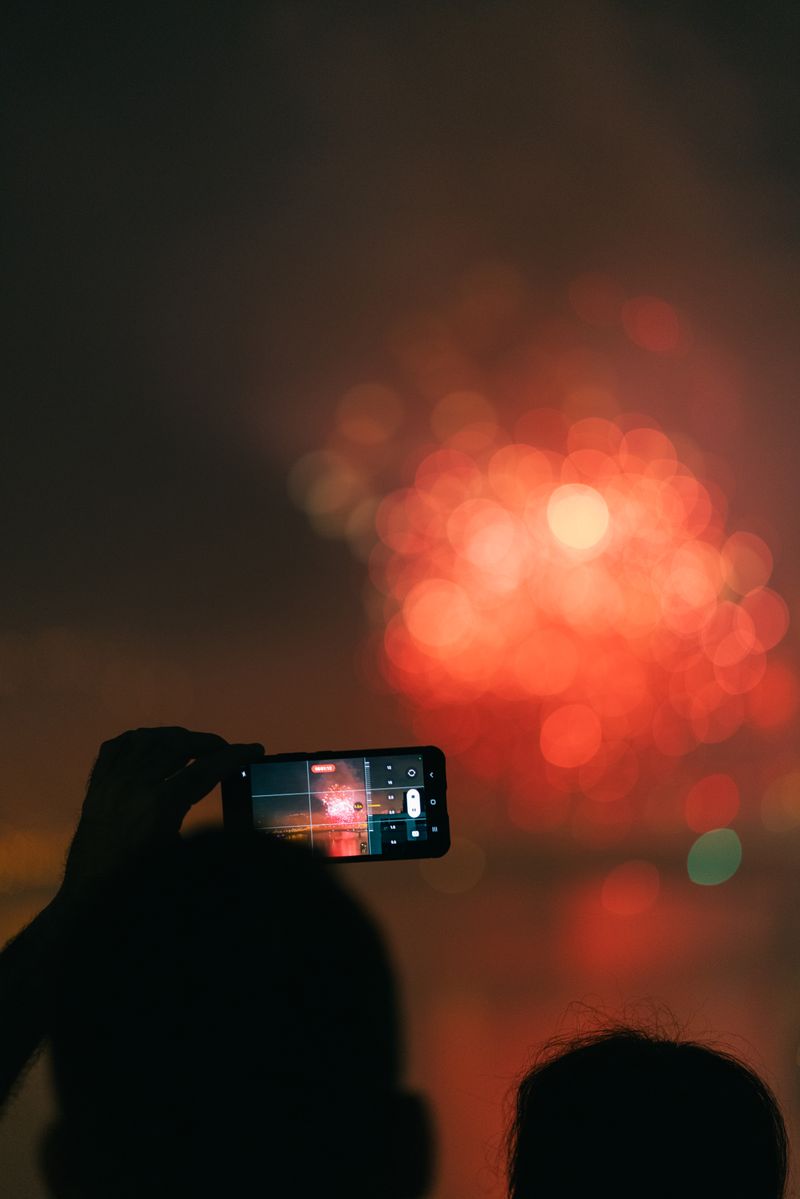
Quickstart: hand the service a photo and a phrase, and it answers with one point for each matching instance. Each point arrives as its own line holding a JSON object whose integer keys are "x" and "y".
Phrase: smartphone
{"x": 354, "y": 805}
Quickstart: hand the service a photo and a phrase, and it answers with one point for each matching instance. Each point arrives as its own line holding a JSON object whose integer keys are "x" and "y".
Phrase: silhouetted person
{"x": 222, "y": 1013}
{"x": 624, "y": 1113}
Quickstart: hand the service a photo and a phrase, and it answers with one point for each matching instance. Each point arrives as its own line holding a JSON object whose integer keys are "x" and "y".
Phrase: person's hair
{"x": 623, "y": 1112}
{"x": 229, "y": 1019}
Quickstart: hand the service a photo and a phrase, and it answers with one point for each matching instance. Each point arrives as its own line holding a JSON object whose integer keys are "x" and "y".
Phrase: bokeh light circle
{"x": 571, "y": 735}
{"x": 780, "y": 803}
{"x": 715, "y": 857}
{"x": 653, "y": 324}
{"x": 746, "y": 562}
{"x": 437, "y": 613}
{"x": 712, "y": 802}
{"x": 577, "y": 515}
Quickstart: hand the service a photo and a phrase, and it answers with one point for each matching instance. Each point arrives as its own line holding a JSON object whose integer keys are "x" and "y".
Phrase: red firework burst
{"x": 339, "y": 804}
{"x": 560, "y": 595}
{"x": 588, "y": 599}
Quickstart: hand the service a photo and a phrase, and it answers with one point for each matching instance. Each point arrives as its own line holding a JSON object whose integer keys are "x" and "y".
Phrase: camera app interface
{"x": 345, "y": 807}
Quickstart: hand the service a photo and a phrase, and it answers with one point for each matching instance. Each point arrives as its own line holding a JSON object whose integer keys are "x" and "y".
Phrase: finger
{"x": 153, "y": 754}
{"x": 193, "y": 783}
{"x": 110, "y": 753}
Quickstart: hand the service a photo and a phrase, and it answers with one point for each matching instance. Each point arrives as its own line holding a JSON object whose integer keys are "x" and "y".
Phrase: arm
{"x": 142, "y": 786}
{"x": 28, "y": 966}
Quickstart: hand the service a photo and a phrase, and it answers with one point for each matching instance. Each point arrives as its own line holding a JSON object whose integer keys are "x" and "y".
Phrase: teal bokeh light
{"x": 715, "y": 857}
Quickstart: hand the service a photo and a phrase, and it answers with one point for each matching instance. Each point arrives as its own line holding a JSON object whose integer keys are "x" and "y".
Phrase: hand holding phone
{"x": 351, "y": 805}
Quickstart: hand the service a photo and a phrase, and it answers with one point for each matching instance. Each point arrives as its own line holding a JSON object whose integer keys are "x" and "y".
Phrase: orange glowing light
{"x": 438, "y": 613}
{"x": 712, "y": 802}
{"x": 746, "y": 562}
{"x": 780, "y": 803}
{"x": 547, "y": 663}
{"x": 631, "y": 888}
{"x": 577, "y": 515}
{"x": 571, "y": 735}
{"x": 556, "y": 591}
{"x": 483, "y": 533}
{"x": 515, "y": 472}
{"x": 652, "y": 324}
{"x": 729, "y": 635}
{"x": 595, "y": 574}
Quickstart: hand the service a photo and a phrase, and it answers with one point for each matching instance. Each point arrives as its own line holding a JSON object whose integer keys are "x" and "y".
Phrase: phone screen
{"x": 349, "y": 805}
{"x": 344, "y": 807}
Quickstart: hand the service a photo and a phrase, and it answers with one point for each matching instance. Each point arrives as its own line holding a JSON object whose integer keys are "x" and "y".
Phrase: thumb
{"x": 196, "y": 780}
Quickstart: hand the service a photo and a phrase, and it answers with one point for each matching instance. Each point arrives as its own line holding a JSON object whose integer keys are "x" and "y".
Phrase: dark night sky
{"x": 213, "y": 214}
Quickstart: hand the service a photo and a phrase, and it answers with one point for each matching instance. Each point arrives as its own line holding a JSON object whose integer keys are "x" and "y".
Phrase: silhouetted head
{"x": 228, "y": 1026}
{"x": 625, "y": 1113}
